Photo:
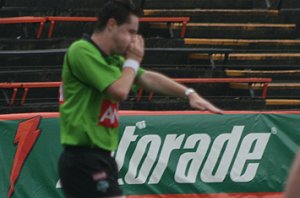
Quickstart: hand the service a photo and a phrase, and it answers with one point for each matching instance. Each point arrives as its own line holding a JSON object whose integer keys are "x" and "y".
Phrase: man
{"x": 95, "y": 78}
{"x": 292, "y": 189}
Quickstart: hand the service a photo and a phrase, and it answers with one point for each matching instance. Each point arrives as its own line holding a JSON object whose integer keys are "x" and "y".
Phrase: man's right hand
{"x": 135, "y": 49}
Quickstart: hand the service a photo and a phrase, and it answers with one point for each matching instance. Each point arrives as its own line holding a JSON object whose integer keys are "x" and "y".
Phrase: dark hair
{"x": 120, "y": 10}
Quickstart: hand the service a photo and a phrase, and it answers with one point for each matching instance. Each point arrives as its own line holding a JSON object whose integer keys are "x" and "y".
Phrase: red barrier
{"x": 265, "y": 81}
{"x": 54, "y": 19}
{"x": 26, "y": 19}
{"x": 20, "y": 116}
{"x": 28, "y": 85}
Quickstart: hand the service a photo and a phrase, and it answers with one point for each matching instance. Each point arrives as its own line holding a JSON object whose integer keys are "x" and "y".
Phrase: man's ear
{"x": 111, "y": 24}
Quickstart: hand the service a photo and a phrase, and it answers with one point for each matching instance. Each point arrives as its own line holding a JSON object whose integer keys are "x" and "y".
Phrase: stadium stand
{"x": 182, "y": 20}
{"x": 25, "y": 86}
{"x": 222, "y": 39}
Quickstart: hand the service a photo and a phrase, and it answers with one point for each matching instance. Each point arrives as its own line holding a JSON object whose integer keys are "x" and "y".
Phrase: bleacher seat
{"x": 222, "y": 39}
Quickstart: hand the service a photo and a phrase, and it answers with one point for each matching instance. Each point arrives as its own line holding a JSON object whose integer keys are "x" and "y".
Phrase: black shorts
{"x": 88, "y": 173}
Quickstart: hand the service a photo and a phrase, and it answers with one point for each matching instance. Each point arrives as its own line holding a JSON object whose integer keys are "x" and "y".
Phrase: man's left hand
{"x": 197, "y": 102}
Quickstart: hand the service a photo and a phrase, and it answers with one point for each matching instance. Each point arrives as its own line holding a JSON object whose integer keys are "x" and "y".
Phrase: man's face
{"x": 124, "y": 34}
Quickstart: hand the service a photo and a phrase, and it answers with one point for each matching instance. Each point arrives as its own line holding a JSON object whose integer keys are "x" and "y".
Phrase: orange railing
{"x": 54, "y": 19}
{"x": 26, "y": 19}
{"x": 265, "y": 81}
{"x": 28, "y": 85}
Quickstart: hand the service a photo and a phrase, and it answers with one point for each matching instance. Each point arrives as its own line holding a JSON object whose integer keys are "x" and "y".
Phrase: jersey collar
{"x": 88, "y": 38}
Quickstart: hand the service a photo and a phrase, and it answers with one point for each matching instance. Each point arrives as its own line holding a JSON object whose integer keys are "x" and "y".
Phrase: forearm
{"x": 120, "y": 89}
{"x": 155, "y": 82}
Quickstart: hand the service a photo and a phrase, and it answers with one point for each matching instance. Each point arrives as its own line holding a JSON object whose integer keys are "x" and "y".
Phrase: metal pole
{"x": 279, "y": 4}
{"x": 142, "y": 4}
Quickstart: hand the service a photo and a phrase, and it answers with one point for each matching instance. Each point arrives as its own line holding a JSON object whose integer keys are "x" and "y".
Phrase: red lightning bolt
{"x": 26, "y": 136}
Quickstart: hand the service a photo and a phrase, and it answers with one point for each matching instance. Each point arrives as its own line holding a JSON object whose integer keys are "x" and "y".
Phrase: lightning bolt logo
{"x": 26, "y": 136}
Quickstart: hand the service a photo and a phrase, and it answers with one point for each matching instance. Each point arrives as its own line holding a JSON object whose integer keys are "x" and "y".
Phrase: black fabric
{"x": 88, "y": 173}
{"x": 89, "y": 39}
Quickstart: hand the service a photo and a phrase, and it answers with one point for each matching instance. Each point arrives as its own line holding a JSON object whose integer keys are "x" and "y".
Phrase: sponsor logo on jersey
{"x": 109, "y": 116}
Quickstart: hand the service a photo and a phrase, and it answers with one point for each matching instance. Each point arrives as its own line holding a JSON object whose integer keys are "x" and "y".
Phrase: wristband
{"x": 133, "y": 64}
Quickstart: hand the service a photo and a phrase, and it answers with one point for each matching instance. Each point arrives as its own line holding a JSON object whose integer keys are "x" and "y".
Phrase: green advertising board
{"x": 167, "y": 154}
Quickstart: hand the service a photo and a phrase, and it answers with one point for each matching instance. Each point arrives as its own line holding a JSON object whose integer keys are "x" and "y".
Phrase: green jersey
{"x": 89, "y": 116}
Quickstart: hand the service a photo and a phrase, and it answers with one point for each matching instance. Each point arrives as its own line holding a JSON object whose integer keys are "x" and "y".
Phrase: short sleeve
{"x": 139, "y": 73}
{"x": 89, "y": 66}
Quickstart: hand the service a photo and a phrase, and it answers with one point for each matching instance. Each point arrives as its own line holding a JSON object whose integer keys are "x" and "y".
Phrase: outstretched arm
{"x": 156, "y": 82}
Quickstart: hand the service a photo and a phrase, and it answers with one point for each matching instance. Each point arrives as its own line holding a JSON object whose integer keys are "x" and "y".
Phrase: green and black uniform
{"x": 89, "y": 121}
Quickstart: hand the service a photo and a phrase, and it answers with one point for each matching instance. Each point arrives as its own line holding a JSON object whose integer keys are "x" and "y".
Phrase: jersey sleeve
{"x": 91, "y": 68}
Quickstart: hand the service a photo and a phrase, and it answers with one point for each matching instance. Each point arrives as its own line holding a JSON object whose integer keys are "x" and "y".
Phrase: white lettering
{"x": 132, "y": 176}
{"x": 110, "y": 114}
{"x": 195, "y": 159}
{"x": 171, "y": 142}
{"x": 127, "y": 138}
{"x": 58, "y": 184}
{"x": 219, "y": 158}
{"x": 259, "y": 142}
{"x": 232, "y": 140}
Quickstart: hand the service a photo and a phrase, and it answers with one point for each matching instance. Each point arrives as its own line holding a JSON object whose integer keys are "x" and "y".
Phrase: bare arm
{"x": 155, "y": 82}
{"x": 292, "y": 189}
{"x": 120, "y": 88}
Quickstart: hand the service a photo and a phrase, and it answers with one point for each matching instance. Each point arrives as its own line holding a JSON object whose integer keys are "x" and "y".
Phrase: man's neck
{"x": 102, "y": 41}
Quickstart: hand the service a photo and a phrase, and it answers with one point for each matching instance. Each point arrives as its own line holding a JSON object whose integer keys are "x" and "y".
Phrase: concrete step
{"x": 260, "y": 44}
{"x": 251, "y": 58}
{"x": 221, "y": 15}
{"x": 290, "y": 75}
{"x": 160, "y": 56}
{"x": 223, "y": 30}
{"x": 247, "y": 44}
{"x": 34, "y": 44}
{"x": 26, "y": 11}
{"x": 213, "y": 4}
{"x": 194, "y": 30}
{"x": 284, "y": 102}
{"x": 283, "y": 86}
{"x": 223, "y": 67}
{"x": 56, "y": 4}
{"x": 275, "y": 89}
{"x": 53, "y": 73}
{"x": 31, "y": 75}
{"x": 153, "y": 4}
